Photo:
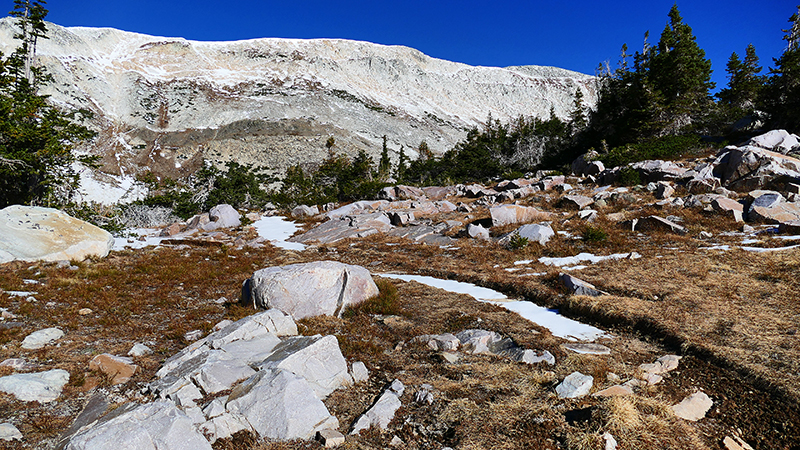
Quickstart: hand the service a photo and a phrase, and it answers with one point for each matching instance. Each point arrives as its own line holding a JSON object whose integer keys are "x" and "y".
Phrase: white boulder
{"x": 33, "y": 233}
{"x": 310, "y": 289}
{"x": 42, "y": 387}
{"x": 39, "y": 339}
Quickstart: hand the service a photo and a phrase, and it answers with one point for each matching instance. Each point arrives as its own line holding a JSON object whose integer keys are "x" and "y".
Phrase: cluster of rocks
{"x": 482, "y": 342}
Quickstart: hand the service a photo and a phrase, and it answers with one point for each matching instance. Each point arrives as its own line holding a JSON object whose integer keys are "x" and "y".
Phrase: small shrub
{"x": 594, "y": 234}
{"x": 629, "y": 176}
{"x": 517, "y": 242}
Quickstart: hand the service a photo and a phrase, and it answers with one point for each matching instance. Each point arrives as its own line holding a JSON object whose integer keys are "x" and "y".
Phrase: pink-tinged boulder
{"x": 309, "y": 289}
{"x": 118, "y": 369}
{"x": 510, "y": 214}
{"x": 693, "y": 407}
{"x": 33, "y": 233}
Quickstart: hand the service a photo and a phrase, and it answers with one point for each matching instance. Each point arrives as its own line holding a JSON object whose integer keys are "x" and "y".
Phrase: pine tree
{"x": 783, "y": 88}
{"x": 681, "y": 73}
{"x": 744, "y": 84}
{"x": 36, "y": 139}
{"x": 577, "y": 117}
{"x": 385, "y": 164}
{"x": 402, "y": 164}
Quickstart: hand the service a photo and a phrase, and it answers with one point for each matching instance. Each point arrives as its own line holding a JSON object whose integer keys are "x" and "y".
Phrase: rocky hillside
{"x": 168, "y": 102}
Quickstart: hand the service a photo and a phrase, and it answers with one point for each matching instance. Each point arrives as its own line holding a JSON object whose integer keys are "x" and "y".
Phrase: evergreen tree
{"x": 577, "y": 117}
{"x": 783, "y": 88}
{"x": 744, "y": 83}
{"x": 36, "y": 139}
{"x": 424, "y": 152}
{"x": 681, "y": 73}
{"x": 402, "y": 164}
{"x": 385, "y": 164}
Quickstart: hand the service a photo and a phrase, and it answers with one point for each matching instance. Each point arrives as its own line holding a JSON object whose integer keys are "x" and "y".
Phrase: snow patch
{"x": 276, "y": 230}
{"x": 559, "y": 325}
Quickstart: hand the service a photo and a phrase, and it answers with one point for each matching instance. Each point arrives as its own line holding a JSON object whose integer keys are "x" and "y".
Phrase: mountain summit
{"x": 169, "y": 103}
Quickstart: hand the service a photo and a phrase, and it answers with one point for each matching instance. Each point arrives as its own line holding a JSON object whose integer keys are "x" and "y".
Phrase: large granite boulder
{"x": 749, "y": 167}
{"x": 309, "y": 289}
{"x": 33, "y": 233}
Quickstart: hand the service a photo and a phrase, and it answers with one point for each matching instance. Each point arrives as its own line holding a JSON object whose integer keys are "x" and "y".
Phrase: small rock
{"x": 139, "y": 350}
{"x": 193, "y": 335}
{"x": 575, "y": 385}
{"x": 396, "y": 442}
{"x": 85, "y": 311}
{"x": 359, "y": 372}
{"x": 382, "y": 412}
{"x": 693, "y": 407}
{"x": 330, "y": 438}
{"x": 652, "y": 378}
{"x": 39, "y": 339}
{"x": 579, "y": 287}
{"x": 9, "y": 432}
{"x": 424, "y": 394}
{"x": 611, "y": 443}
{"x": 16, "y": 364}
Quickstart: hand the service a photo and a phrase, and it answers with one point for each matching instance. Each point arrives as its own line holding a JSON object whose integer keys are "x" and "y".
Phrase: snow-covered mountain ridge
{"x": 167, "y": 103}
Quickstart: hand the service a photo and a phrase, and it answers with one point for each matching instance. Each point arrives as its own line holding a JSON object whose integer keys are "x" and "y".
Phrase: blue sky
{"x": 576, "y": 35}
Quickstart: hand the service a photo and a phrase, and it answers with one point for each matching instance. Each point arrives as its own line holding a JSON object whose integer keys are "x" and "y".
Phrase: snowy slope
{"x": 167, "y": 103}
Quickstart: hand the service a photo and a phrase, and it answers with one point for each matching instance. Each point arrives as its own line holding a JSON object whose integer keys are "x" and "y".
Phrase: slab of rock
{"x": 118, "y": 369}
{"x": 735, "y": 443}
{"x": 779, "y": 141}
{"x": 511, "y": 214}
{"x": 317, "y": 359}
{"x": 578, "y": 286}
{"x": 356, "y": 208}
{"x": 659, "y": 223}
{"x": 693, "y": 407}
{"x": 309, "y": 289}
{"x": 42, "y": 387}
{"x": 270, "y": 322}
{"x": 33, "y": 233}
{"x": 278, "y": 404}
{"x": 777, "y": 213}
{"x": 729, "y": 207}
{"x": 39, "y": 339}
{"x": 576, "y": 201}
{"x": 614, "y": 391}
{"x": 658, "y": 170}
{"x": 402, "y": 192}
{"x": 382, "y": 412}
{"x": 8, "y": 432}
{"x": 575, "y": 385}
{"x": 479, "y": 341}
{"x": 664, "y": 191}
{"x": 588, "y": 349}
{"x": 153, "y": 426}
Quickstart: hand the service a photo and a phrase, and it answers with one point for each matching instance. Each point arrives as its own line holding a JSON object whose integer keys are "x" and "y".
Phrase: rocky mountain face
{"x": 169, "y": 103}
